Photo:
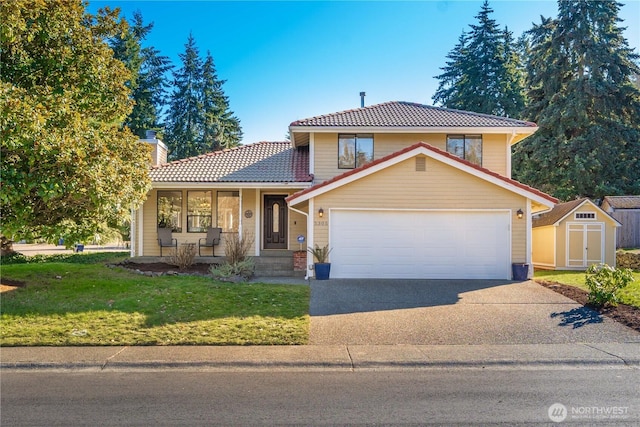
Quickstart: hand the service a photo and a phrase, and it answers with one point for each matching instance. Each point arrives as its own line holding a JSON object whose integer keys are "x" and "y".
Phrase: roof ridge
{"x": 217, "y": 153}
{"x": 351, "y": 110}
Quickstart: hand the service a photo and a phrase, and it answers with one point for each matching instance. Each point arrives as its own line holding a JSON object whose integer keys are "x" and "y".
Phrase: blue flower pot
{"x": 322, "y": 270}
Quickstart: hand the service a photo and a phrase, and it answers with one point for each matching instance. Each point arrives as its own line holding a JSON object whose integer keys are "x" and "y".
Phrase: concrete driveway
{"x": 450, "y": 312}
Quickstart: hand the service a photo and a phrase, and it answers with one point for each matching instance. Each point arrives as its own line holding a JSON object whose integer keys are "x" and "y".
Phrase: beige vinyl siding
{"x": 494, "y": 150}
{"x": 247, "y": 202}
{"x": 543, "y": 251}
{"x": 439, "y": 187}
{"x": 494, "y": 153}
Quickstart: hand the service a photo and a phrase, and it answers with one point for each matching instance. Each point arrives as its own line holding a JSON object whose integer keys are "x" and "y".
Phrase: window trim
{"x": 219, "y": 219}
{"x": 210, "y": 213}
{"x": 179, "y": 216}
{"x": 355, "y": 157}
{"x": 464, "y": 146}
{"x": 586, "y": 216}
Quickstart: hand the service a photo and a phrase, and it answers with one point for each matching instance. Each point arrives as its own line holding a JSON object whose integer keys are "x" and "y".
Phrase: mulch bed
{"x": 625, "y": 314}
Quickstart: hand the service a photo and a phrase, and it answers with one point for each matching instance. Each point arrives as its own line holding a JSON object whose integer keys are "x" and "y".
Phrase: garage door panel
{"x": 420, "y": 244}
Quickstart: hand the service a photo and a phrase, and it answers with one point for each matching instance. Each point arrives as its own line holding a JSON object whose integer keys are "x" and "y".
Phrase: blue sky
{"x": 289, "y": 60}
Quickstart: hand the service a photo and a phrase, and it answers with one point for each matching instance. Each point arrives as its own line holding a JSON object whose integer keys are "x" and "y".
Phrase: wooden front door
{"x": 275, "y": 222}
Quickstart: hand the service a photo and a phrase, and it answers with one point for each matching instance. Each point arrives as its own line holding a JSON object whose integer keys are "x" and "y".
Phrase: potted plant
{"x": 321, "y": 267}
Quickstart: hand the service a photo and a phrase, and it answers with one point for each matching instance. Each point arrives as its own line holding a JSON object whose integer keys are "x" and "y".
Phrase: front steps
{"x": 276, "y": 263}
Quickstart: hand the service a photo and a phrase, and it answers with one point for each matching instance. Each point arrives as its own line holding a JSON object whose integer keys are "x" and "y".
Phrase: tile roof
{"x": 260, "y": 162}
{"x": 435, "y": 150}
{"x": 623, "y": 202}
{"x": 558, "y": 212}
{"x": 409, "y": 114}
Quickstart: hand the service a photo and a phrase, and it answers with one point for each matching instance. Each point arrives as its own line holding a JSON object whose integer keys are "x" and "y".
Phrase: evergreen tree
{"x": 199, "y": 117}
{"x": 185, "y": 115}
{"x": 148, "y": 81}
{"x": 482, "y": 73}
{"x": 583, "y": 98}
{"x": 220, "y": 128}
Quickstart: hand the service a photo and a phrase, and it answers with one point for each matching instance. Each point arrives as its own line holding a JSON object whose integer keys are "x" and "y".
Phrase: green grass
{"x": 67, "y": 303}
{"x": 629, "y": 295}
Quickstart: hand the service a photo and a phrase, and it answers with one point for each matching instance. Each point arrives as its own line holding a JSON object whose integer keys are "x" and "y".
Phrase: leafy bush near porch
{"x": 605, "y": 282}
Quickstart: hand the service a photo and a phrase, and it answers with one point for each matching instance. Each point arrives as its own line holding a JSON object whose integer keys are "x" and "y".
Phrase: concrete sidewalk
{"x": 320, "y": 357}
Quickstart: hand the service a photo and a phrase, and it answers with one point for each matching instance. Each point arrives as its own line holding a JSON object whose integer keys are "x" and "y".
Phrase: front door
{"x": 275, "y": 222}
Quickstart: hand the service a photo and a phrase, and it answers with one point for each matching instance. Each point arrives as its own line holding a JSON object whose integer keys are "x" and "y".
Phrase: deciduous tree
{"x": 68, "y": 167}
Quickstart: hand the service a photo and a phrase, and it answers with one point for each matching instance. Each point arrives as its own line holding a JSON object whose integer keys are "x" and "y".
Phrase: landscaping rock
{"x": 628, "y": 260}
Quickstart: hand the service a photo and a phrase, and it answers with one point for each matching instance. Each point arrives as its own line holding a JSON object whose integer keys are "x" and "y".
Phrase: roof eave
{"x": 209, "y": 185}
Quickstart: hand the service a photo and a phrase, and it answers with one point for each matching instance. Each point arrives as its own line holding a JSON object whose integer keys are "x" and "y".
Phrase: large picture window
{"x": 468, "y": 147}
{"x": 229, "y": 211}
{"x": 198, "y": 211}
{"x": 354, "y": 150}
{"x": 170, "y": 210}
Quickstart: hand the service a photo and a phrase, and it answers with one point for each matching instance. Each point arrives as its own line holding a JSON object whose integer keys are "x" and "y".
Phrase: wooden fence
{"x": 628, "y": 236}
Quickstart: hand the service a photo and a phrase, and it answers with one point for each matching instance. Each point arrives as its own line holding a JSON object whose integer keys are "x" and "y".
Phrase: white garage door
{"x": 420, "y": 244}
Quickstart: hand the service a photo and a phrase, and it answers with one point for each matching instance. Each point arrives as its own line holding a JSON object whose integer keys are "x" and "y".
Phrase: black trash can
{"x": 520, "y": 271}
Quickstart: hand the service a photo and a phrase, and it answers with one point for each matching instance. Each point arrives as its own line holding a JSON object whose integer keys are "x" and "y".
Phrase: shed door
{"x": 585, "y": 244}
{"x": 420, "y": 244}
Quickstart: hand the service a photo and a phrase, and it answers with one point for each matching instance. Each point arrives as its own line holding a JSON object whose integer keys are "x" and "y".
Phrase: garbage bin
{"x": 520, "y": 271}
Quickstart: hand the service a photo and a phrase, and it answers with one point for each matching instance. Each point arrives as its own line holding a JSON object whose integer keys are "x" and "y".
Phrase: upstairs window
{"x": 468, "y": 147}
{"x": 170, "y": 210}
{"x": 198, "y": 211}
{"x": 354, "y": 150}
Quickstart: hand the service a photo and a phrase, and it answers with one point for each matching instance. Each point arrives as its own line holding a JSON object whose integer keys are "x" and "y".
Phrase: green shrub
{"x": 241, "y": 269}
{"x": 604, "y": 282}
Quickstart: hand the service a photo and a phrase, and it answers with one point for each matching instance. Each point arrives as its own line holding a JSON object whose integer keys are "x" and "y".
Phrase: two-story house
{"x": 397, "y": 190}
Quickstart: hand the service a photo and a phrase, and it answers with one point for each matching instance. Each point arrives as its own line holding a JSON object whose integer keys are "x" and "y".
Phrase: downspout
{"x": 306, "y": 267}
{"x": 529, "y": 232}
{"x": 132, "y": 233}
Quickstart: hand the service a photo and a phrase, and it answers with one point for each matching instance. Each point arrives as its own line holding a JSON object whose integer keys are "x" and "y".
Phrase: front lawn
{"x": 67, "y": 303}
{"x": 629, "y": 295}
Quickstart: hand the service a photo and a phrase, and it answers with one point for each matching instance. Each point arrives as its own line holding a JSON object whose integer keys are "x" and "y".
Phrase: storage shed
{"x": 572, "y": 236}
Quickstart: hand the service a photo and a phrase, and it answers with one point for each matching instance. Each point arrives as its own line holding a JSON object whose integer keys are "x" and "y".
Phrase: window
{"x": 170, "y": 210}
{"x": 585, "y": 215}
{"x": 229, "y": 211}
{"x": 468, "y": 147}
{"x": 198, "y": 211}
{"x": 354, "y": 150}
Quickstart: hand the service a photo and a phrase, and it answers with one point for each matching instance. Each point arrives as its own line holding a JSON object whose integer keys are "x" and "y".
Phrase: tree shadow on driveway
{"x": 578, "y": 317}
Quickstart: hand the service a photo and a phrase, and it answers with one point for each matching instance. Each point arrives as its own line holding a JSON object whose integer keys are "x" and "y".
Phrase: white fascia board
{"x": 429, "y": 153}
{"x": 617, "y": 223}
{"x": 208, "y": 185}
{"x": 414, "y": 129}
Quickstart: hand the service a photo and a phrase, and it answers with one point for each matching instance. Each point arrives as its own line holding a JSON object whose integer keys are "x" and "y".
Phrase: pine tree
{"x": 582, "y": 97}
{"x": 185, "y": 115}
{"x": 482, "y": 73}
{"x": 220, "y": 128}
{"x": 199, "y": 117}
{"x": 148, "y": 81}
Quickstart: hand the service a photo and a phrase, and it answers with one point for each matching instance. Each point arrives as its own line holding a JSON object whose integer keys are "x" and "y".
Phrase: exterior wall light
{"x": 320, "y": 212}
{"x": 520, "y": 214}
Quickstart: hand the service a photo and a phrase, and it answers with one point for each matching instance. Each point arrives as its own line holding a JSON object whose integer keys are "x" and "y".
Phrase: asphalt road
{"x": 449, "y": 397}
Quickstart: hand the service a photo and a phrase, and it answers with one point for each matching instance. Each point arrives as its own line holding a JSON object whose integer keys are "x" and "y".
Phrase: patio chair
{"x": 212, "y": 239}
{"x": 165, "y": 240}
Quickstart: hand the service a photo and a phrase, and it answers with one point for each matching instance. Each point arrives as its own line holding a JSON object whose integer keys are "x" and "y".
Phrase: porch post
{"x": 528, "y": 238}
{"x": 258, "y": 218}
